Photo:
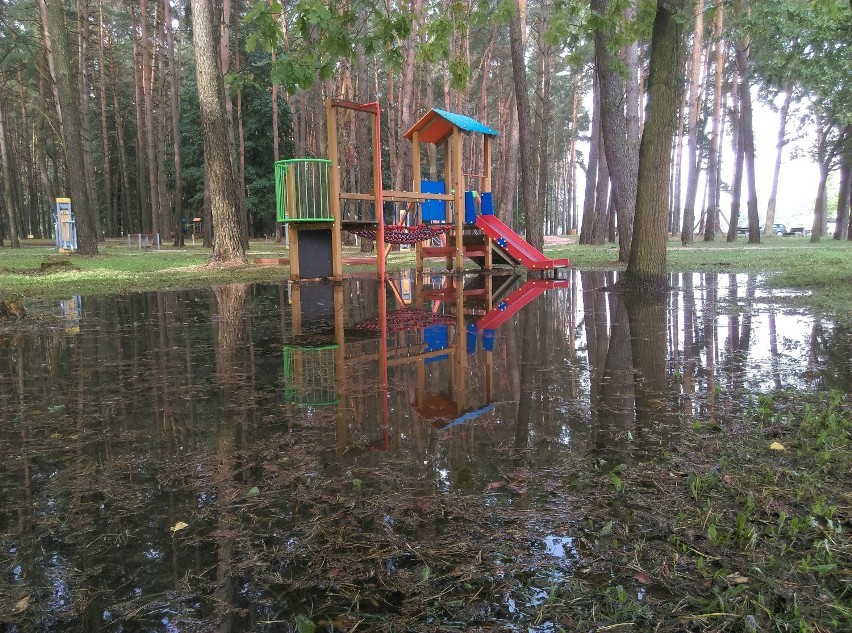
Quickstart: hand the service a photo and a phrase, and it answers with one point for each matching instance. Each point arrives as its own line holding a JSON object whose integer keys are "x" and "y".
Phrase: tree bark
{"x": 142, "y": 191}
{"x": 841, "y": 227}
{"x": 588, "y": 221}
{"x": 695, "y": 84}
{"x": 8, "y": 170}
{"x": 779, "y": 153}
{"x": 747, "y": 129}
{"x": 68, "y": 110}
{"x": 647, "y": 265}
{"x": 109, "y": 210}
{"x": 147, "y": 72}
{"x": 543, "y": 108}
{"x": 130, "y": 203}
{"x": 621, "y": 162}
{"x": 174, "y": 72}
{"x": 85, "y": 130}
{"x": 225, "y": 205}
{"x": 739, "y": 159}
{"x": 716, "y": 125}
{"x": 532, "y": 213}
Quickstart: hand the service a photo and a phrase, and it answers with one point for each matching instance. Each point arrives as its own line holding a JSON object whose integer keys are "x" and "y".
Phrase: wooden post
{"x": 377, "y": 192}
{"x": 460, "y": 357}
{"x": 417, "y": 187}
{"x": 342, "y": 418}
{"x": 458, "y": 178}
{"x": 448, "y": 187}
{"x": 486, "y": 163}
{"x": 486, "y": 188}
{"x": 334, "y": 192}
{"x": 293, "y": 213}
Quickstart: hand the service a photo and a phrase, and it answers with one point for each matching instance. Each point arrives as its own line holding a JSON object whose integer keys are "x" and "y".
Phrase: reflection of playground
{"x": 431, "y": 340}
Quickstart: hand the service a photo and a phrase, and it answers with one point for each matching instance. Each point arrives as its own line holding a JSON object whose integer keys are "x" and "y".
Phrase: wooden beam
{"x": 334, "y": 193}
{"x": 458, "y": 186}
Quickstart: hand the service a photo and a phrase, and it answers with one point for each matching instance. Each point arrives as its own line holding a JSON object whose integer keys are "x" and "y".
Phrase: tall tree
{"x": 687, "y": 235}
{"x": 68, "y": 111}
{"x": 6, "y": 164}
{"x": 533, "y": 216}
{"x": 746, "y": 129}
{"x": 716, "y": 124}
{"x": 224, "y": 193}
{"x": 621, "y": 162}
{"x": 647, "y": 265}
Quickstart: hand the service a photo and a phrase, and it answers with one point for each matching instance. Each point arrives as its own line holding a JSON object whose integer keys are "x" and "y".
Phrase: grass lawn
{"x": 36, "y": 270}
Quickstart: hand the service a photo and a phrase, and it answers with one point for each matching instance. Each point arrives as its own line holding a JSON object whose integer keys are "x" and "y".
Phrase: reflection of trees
{"x": 647, "y": 316}
{"x": 831, "y": 354}
{"x": 615, "y": 403}
{"x": 233, "y": 361}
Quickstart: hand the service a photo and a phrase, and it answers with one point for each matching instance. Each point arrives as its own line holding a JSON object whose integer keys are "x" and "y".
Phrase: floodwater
{"x": 283, "y": 458}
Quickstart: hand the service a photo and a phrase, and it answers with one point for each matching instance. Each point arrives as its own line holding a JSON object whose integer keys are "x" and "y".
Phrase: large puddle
{"x": 279, "y": 457}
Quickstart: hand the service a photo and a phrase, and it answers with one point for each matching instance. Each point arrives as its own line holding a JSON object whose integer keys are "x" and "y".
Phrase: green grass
{"x": 824, "y": 270}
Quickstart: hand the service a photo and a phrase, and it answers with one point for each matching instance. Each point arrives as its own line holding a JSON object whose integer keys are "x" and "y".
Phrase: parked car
{"x": 777, "y": 229}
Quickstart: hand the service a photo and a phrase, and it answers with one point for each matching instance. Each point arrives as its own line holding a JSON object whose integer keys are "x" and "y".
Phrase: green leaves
{"x": 313, "y": 36}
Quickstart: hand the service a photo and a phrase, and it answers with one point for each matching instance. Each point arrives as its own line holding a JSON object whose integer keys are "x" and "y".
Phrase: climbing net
{"x": 401, "y": 234}
{"x": 408, "y": 319}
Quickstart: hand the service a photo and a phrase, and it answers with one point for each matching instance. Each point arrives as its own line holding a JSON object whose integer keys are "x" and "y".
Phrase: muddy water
{"x": 283, "y": 458}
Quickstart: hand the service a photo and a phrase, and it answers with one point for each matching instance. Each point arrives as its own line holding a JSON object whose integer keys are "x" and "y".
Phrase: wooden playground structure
{"x": 309, "y": 201}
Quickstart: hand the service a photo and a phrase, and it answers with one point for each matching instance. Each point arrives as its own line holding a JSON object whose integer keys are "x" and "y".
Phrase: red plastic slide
{"x": 516, "y": 246}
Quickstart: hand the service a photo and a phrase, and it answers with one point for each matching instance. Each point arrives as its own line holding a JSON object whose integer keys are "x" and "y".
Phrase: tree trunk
{"x": 543, "y": 108}
{"x": 402, "y": 177}
{"x": 174, "y": 72}
{"x": 715, "y": 135}
{"x": 747, "y": 132}
{"x": 130, "y": 203}
{"x": 647, "y": 266}
{"x": 85, "y": 130}
{"x": 68, "y": 110}
{"x": 225, "y": 205}
{"x": 147, "y": 71}
{"x": 601, "y": 220}
{"x": 142, "y": 192}
{"x": 6, "y": 162}
{"x": 841, "y": 227}
{"x": 532, "y": 213}
{"x": 572, "y": 162}
{"x": 621, "y": 162}
{"x": 109, "y": 209}
{"x": 588, "y": 222}
{"x": 695, "y": 84}
{"x": 779, "y": 152}
{"x": 818, "y": 228}
{"x": 739, "y": 159}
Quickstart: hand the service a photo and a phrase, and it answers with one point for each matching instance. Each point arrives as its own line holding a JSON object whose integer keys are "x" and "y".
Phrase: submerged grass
{"x": 727, "y": 533}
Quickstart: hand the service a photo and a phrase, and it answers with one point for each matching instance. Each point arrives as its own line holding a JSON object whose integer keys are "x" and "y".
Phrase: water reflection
{"x": 327, "y": 446}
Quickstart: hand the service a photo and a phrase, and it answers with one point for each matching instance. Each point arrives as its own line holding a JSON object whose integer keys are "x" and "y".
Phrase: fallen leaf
{"x": 22, "y": 604}
{"x": 776, "y": 446}
{"x": 179, "y": 526}
{"x": 643, "y": 577}
{"x": 737, "y": 579}
{"x": 254, "y": 490}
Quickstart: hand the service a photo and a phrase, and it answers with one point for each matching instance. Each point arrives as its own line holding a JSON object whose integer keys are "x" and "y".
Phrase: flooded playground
{"x": 428, "y": 454}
